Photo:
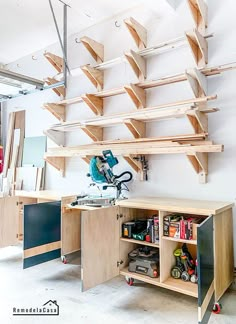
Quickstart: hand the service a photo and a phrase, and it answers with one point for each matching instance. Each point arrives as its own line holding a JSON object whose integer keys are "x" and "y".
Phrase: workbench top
{"x": 43, "y": 194}
{"x": 191, "y": 206}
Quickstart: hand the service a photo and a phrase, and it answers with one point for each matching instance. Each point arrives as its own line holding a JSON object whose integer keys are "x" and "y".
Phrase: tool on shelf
{"x": 101, "y": 172}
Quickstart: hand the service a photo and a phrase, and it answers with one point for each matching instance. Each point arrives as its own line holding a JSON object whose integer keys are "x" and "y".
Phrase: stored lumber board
{"x": 95, "y": 49}
{"x": 154, "y": 113}
{"x": 132, "y": 148}
{"x": 180, "y": 77}
{"x": 9, "y": 143}
{"x": 137, "y": 31}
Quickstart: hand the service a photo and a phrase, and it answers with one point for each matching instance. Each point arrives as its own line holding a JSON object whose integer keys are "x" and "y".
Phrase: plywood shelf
{"x": 193, "y": 242}
{"x": 153, "y": 281}
{"x": 178, "y": 285}
{"x": 184, "y": 287}
{"x": 139, "y": 242}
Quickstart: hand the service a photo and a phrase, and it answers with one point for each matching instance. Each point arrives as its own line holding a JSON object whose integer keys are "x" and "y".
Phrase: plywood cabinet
{"x": 102, "y": 245}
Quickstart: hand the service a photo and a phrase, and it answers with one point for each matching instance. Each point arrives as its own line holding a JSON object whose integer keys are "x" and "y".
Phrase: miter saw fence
{"x": 101, "y": 172}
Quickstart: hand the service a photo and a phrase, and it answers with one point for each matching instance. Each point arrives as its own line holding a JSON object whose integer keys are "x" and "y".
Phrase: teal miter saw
{"x": 100, "y": 169}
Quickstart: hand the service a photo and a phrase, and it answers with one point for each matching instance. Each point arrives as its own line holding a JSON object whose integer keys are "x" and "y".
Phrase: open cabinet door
{"x": 42, "y": 233}
{"x": 100, "y": 246}
{"x": 9, "y": 218}
{"x": 205, "y": 258}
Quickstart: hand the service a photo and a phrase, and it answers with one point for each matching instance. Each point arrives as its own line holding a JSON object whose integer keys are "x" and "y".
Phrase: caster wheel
{"x": 63, "y": 259}
{"x": 217, "y": 308}
{"x": 130, "y": 281}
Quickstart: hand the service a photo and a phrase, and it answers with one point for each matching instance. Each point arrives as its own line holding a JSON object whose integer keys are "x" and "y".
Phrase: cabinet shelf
{"x": 152, "y": 281}
{"x": 193, "y": 242}
{"x": 185, "y": 287}
{"x": 139, "y": 242}
{"x": 178, "y": 285}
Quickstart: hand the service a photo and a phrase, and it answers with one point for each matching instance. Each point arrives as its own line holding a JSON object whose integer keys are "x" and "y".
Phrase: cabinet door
{"x": 205, "y": 258}
{"x": 100, "y": 246}
{"x": 9, "y": 218}
{"x": 42, "y": 233}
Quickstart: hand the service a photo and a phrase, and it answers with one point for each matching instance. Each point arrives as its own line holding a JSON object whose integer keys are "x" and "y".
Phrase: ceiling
{"x": 27, "y": 26}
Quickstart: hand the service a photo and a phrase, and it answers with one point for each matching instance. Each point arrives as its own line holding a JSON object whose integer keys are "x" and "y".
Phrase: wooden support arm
{"x": 94, "y": 75}
{"x": 137, "y": 63}
{"x": 137, "y": 95}
{"x": 199, "y": 162}
{"x": 56, "y": 61}
{"x": 60, "y": 91}
{"x": 95, "y": 49}
{"x": 199, "y": 11}
{"x": 136, "y": 127}
{"x": 94, "y": 103}
{"x": 58, "y": 110}
{"x": 199, "y": 47}
{"x": 87, "y": 158}
{"x": 137, "y": 31}
{"x": 57, "y": 162}
{"x": 94, "y": 132}
{"x": 135, "y": 163}
{"x": 199, "y": 121}
{"x": 197, "y": 81}
{"x": 56, "y": 136}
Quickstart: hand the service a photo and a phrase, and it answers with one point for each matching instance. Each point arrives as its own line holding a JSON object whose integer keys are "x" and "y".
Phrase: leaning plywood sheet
{"x": 34, "y": 149}
{"x": 28, "y": 176}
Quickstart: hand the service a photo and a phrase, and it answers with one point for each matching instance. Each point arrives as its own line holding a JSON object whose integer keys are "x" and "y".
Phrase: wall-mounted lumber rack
{"x": 139, "y": 96}
{"x": 193, "y": 38}
{"x": 135, "y": 121}
{"x": 193, "y": 146}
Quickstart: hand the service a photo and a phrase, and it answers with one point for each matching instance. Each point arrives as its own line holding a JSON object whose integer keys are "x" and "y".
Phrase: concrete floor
{"x": 112, "y": 302}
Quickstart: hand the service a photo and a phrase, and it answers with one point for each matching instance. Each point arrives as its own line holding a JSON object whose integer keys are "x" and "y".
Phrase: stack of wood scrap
{"x": 19, "y": 172}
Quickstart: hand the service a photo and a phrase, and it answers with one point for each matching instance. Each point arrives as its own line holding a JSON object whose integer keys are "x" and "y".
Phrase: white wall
{"x": 169, "y": 175}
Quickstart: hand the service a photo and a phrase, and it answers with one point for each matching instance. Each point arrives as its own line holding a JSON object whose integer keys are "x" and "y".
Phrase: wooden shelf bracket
{"x": 199, "y": 47}
{"x": 135, "y": 162}
{"x": 137, "y": 63}
{"x": 60, "y": 91}
{"x": 94, "y": 103}
{"x": 197, "y": 81}
{"x": 56, "y": 61}
{"x": 94, "y": 75}
{"x": 137, "y": 95}
{"x": 87, "y": 158}
{"x": 199, "y": 161}
{"x": 57, "y": 162}
{"x": 199, "y": 11}
{"x": 137, "y": 31}
{"x": 56, "y": 136}
{"x": 58, "y": 110}
{"x": 136, "y": 127}
{"x": 95, "y": 49}
{"x": 199, "y": 121}
{"x": 94, "y": 132}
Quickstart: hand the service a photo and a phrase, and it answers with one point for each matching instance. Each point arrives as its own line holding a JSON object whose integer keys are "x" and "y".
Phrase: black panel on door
{"x": 42, "y": 233}
{"x": 205, "y": 258}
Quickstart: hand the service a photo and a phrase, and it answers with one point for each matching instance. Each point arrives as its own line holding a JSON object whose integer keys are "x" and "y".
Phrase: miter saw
{"x": 100, "y": 169}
